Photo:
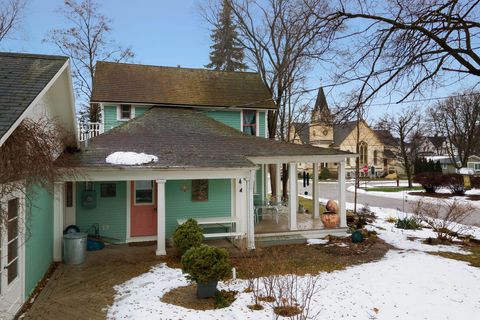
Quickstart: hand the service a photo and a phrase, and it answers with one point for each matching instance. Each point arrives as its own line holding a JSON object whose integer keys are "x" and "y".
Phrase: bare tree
{"x": 406, "y": 127}
{"x": 86, "y": 41}
{"x": 458, "y": 120}
{"x": 404, "y": 46}
{"x": 282, "y": 38}
{"x": 38, "y": 143}
{"x": 10, "y": 14}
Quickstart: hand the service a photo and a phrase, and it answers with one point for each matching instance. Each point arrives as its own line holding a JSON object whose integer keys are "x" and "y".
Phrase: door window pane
{"x": 144, "y": 192}
{"x": 12, "y": 240}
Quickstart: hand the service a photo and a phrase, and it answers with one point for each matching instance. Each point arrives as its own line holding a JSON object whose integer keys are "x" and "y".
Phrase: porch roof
{"x": 187, "y": 138}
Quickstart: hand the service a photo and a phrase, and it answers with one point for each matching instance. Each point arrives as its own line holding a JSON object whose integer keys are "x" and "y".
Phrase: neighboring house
{"x": 391, "y": 150}
{"x": 178, "y": 143}
{"x": 31, "y": 87}
{"x": 432, "y": 146}
{"x": 322, "y": 132}
{"x": 448, "y": 167}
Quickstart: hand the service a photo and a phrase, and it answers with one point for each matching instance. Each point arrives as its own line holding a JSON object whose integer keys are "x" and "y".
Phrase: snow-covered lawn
{"x": 405, "y": 195}
{"x": 408, "y": 283}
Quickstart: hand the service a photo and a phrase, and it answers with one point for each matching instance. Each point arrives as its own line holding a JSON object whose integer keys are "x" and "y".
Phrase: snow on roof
{"x": 130, "y": 158}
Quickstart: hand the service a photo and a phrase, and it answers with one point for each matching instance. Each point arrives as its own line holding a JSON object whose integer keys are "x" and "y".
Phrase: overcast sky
{"x": 160, "y": 32}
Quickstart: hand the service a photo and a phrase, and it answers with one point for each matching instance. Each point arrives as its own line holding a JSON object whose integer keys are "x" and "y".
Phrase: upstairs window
{"x": 250, "y": 122}
{"x": 125, "y": 112}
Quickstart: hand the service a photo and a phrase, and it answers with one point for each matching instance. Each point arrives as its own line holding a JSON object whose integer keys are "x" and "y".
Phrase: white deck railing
{"x": 89, "y": 130}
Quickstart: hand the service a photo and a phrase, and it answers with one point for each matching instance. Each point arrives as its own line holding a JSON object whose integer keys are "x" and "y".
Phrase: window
{"x": 375, "y": 157}
{"x": 250, "y": 122}
{"x": 125, "y": 112}
{"x": 200, "y": 190}
{"x": 363, "y": 150}
{"x": 348, "y": 161}
{"x": 476, "y": 166}
{"x": 12, "y": 240}
{"x": 144, "y": 192}
{"x": 108, "y": 190}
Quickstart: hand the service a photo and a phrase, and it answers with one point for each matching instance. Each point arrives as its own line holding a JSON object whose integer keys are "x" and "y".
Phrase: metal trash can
{"x": 74, "y": 248}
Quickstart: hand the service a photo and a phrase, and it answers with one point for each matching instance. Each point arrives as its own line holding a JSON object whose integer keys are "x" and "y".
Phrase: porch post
{"x": 161, "y": 218}
{"x": 315, "y": 193}
{"x": 58, "y": 207}
{"x": 292, "y": 196}
{"x": 341, "y": 194}
{"x": 278, "y": 182}
{"x": 250, "y": 211}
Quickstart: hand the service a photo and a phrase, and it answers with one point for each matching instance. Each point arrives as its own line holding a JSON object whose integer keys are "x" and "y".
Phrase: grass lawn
{"x": 308, "y": 204}
{"x": 394, "y": 189}
{"x": 473, "y": 258}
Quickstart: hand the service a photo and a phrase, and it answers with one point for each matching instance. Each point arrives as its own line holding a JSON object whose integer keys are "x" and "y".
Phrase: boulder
{"x": 332, "y": 206}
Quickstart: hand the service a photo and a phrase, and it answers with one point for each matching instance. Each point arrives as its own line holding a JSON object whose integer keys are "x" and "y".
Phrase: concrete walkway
{"x": 85, "y": 291}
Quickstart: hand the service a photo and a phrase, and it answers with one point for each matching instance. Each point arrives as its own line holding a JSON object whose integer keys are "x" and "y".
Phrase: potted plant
{"x": 206, "y": 265}
{"x": 187, "y": 235}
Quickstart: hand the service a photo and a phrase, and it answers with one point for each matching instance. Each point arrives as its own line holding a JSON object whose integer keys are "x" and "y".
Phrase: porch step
{"x": 296, "y": 237}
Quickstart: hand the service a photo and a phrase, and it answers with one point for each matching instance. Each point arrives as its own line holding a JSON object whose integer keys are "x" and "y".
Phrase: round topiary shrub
{"x": 206, "y": 263}
{"x": 188, "y": 235}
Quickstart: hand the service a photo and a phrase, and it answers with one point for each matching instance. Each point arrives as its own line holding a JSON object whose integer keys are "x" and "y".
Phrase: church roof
{"x": 321, "y": 111}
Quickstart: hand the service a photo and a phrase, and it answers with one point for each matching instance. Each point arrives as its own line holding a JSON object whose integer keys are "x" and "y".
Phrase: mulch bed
{"x": 186, "y": 297}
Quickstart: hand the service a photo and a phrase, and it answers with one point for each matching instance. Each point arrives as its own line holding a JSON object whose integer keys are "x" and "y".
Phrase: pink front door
{"x": 143, "y": 209}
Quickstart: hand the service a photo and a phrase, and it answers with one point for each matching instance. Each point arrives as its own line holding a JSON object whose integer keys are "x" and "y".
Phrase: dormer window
{"x": 125, "y": 112}
{"x": 250, "y": 122}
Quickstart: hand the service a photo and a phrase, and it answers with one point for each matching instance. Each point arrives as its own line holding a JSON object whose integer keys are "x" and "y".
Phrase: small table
{"x": 266, "y": 206}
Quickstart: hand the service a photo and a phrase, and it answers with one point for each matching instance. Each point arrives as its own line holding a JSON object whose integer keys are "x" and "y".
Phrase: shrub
{"x": 187, "y": 235}
{"x": 324, "y": 174}
{"x": 206, "y": 263}
{"x": 430, "y": 181}
{"x": 454, "y": 182}
{"x": 445, "y": 218}
{"x": 224, "y": 298}
{"x": 475, "y": 182}
{"x": 408, "y": 223}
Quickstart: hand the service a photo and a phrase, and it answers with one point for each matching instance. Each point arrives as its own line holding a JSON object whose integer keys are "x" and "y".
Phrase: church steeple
{"x": 321, "y": 112}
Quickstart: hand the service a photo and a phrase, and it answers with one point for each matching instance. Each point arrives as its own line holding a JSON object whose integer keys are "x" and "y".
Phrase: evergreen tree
{"x": 226, "y": 52}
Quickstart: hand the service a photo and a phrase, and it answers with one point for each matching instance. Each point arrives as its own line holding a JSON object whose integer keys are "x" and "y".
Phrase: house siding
{"x": 110, "y": 115}
{"x": 261, "y": 125}
{"x": 38, "y": 235}
{"x": 110, "y": 213}
{"x": 179, "y": 204}
{"x": 230, "y": 118}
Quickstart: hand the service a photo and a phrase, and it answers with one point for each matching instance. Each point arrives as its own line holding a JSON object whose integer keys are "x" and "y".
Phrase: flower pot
{"x": 207, "y": 290}
{"x": 330, "y": 219}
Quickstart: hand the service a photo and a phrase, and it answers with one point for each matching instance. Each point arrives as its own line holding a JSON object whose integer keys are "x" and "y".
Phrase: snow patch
{"x": 130, "y": 158}
{"x": 316, "y": 241}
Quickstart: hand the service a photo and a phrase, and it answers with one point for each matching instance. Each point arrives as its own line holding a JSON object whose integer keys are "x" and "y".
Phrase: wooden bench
{"x": 226, "y": 222}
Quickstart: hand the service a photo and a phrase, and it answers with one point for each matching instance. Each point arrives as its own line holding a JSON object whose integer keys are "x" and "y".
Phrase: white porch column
{"x": 278, "y": 182}
{"x": 161, "y": 218}
{"x": 58, "y": 207}
{"x": 265, "y": 180}
{"x": 250, "y": 181}
{"x": 292, "y": 196}
{"x": 341, "y": 194}
{"x": 315, "y": 192}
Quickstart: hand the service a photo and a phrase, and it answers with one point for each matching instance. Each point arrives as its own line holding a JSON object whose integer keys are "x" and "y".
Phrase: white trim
{"x": 119, "y": 112}
{"x": 233, "y": 195}
{"x": 266, "y": 124}
{"x": 135, "y": 194}
{"x": 102, "y": 115}
{"x": 33, "y": 103}
{"x": 292, "y": 196}
{"x": 315, "y": 191}
{"x": 161, "y": 217}
{"x": 257, "y": 121}
{"x": 250, "y": 211}
{"x": 106, "y": 174}
{"x": 129, "y": 217}
{"x": 300, "y": 158}
{"x": 58, "y": 205}
{"x": 341, "y": 195}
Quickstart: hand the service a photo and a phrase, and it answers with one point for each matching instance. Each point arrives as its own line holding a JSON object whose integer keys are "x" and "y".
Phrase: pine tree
{"x": 226, "y": 52}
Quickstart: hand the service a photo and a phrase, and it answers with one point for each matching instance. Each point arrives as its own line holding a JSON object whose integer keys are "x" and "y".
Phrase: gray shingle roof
{"x": 135, "y": 83}
{"x": 22, "y": 78}
{"x": 186, "y": 138}
{"x": 302, "y": 129}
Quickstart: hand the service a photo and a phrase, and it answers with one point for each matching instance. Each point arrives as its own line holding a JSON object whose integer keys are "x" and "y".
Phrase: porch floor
{"x": 305, "y": 221}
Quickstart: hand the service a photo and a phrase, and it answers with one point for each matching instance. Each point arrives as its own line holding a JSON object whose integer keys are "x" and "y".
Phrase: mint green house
{"x": 177, "y": 143}
{"x": 172, "y": 144}
{"x": 32, "y": 87}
